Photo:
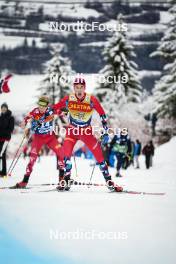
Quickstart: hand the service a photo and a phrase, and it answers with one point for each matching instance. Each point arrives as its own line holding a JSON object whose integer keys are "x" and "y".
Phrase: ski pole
{"x": 93, "y": 170}
{"x": 91, "y": 175}
{"x": 16, "y": 154}
{"x": 75, "y": 165}
{"x": 10, "y": 173}
{"x": 18, "y": 158}
{"x": 13, "y": 163}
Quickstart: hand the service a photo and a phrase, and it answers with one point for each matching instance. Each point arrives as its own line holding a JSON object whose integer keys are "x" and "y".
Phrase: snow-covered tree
{"x": 165, "y": 89}
{"x": 57, "y": 80}
{"x": 125, "y": 86}
{"x": 167, "y": 47}
{"x": 165, "y": 93}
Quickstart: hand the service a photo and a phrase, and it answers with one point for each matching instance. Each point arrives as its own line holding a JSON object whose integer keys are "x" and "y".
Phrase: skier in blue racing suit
{"x": 121, "y": 147}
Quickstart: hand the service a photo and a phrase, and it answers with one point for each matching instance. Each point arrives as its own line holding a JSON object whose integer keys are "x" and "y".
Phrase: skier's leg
{"x": 36, "y": 145}
{"x": 120, "y": 160}
{"x": 95, "y": 147}
{"x": 68, "y": 146}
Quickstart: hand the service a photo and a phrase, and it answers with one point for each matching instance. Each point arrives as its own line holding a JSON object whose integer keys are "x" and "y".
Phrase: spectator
{"x": 153, "y": 151}
{"x": 6, "y": 129}
{"x": 137, "y": 152}
{"x": 154, "y": 120}
{"x": 148, "y": 151}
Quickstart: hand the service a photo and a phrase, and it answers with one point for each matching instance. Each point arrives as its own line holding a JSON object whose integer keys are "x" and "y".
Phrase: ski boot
{"x": 64, "y": 176}
{"x": 110, "y": 184}
{"x": 113, "y": 187}
{"x": 22, "y": 184}
{"x": 64, "y": 183}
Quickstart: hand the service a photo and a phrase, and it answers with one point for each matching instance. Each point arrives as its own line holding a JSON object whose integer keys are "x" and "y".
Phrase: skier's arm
{"x": 26, "y": 123}
{"x": 97, "y": 106}
{"x": 60, "y": 105}
{"x": 27, "y": 119}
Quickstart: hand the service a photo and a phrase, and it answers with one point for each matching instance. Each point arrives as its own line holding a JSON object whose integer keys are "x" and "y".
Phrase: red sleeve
{"x": 29, "y": 116}
{"x": 61, "y": 104}
{"x": 97, "y": 105}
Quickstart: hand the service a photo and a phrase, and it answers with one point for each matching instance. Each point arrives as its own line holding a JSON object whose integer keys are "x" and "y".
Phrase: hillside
{"x": 25, "y": 36}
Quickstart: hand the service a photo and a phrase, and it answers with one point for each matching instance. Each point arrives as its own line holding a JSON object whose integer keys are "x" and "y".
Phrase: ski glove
{"x": 104, "y": 122}
{"x": 105, "y": 139}
{"x": 27, "y": 132}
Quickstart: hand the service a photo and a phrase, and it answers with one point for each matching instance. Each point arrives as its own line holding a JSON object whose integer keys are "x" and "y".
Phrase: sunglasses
{"x": 42, "y": 104}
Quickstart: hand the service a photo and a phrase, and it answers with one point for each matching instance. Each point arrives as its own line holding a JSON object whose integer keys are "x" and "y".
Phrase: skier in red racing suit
{"x": 40, "y": 120}
{"x": 80, "y": 106}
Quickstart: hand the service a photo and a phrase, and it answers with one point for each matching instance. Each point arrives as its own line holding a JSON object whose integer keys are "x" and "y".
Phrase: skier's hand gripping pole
{"x": 104, "y": 139}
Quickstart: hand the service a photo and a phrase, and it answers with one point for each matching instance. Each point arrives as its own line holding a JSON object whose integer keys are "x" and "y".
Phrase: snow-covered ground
{"x": 91, "y": 225}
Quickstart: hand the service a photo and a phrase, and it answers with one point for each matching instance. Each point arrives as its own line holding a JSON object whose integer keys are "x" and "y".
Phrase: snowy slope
{"x": 144, "y": 225}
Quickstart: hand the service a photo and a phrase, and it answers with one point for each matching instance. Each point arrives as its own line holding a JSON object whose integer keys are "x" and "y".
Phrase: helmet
{"x": 43, "y": 101}
{"x": 124, "y": 131}
{"x": 79, "y": 80}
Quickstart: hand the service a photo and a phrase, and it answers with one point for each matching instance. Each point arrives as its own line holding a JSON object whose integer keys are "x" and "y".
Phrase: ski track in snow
{"x": 148, "y": 221}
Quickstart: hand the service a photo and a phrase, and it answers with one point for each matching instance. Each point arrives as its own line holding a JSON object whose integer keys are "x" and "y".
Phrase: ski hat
{"x": 4, "y": 105}
{"x": 79, "y": 80}
{"x": 43, "y": 101}
{"x": 124, "y": 131}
